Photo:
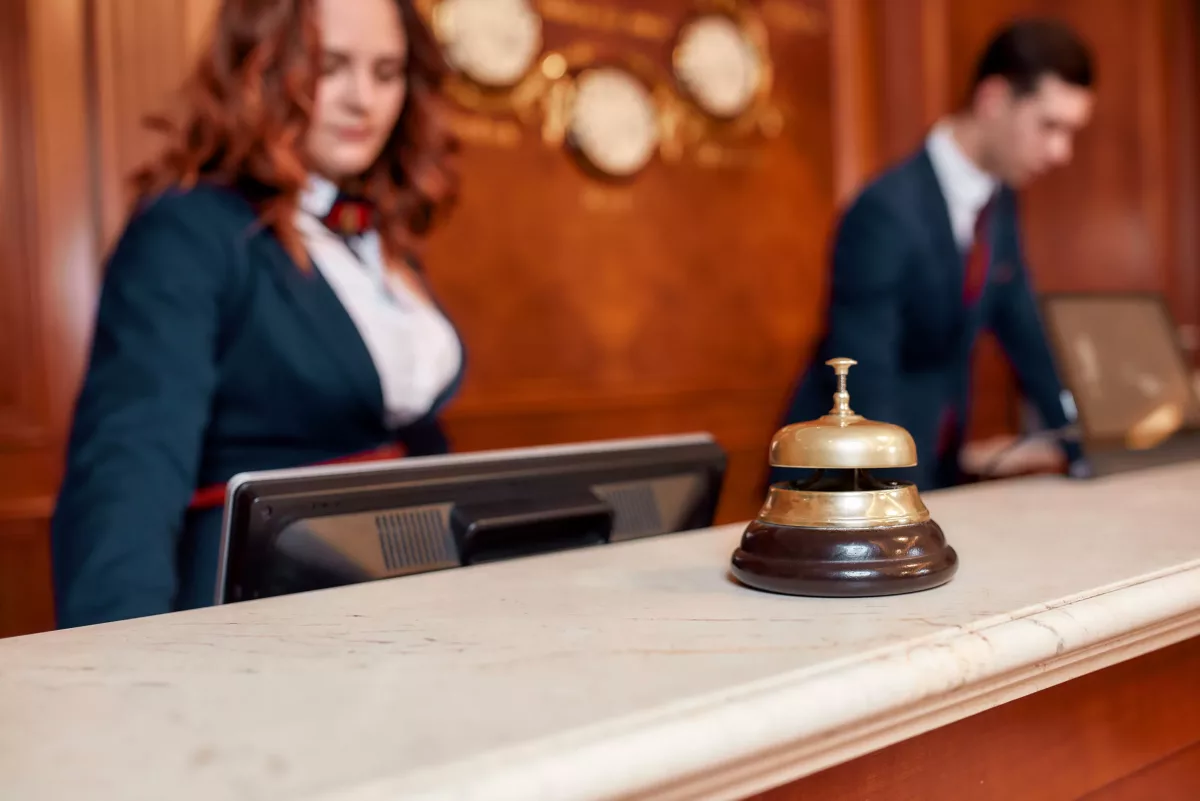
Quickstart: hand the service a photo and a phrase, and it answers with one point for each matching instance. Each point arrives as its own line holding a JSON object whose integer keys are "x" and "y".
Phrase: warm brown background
{"x": 686, "y": 300}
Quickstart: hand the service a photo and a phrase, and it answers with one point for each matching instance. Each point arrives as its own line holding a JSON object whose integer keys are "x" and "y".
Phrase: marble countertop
{"x": 637, "y": 670}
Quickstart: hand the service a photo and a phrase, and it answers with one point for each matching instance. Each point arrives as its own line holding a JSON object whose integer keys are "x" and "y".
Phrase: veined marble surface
{"x": 637, "y": 670}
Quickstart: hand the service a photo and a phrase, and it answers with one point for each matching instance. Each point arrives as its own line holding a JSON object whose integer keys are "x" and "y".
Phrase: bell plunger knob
{"x": 841, "y": 398}
{"x": 841, "y": 531}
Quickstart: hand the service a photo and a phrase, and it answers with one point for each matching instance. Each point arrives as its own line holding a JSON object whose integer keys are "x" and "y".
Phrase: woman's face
{"x": 361, "y": 86}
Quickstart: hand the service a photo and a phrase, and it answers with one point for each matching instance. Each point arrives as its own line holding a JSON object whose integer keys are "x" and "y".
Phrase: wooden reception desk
{"x": 1057, "y": 664}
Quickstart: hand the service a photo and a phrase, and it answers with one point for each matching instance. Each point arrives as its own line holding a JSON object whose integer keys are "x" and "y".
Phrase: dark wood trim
{"x": 1139, "y": 718}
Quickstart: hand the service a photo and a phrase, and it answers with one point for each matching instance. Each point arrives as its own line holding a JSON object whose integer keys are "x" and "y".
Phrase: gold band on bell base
{"x": 897, "y": 506}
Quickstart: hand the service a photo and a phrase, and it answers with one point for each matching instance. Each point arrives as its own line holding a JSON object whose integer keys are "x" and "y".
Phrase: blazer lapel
{"x": 332, "y": 331}
{"x": 936, "y": 216}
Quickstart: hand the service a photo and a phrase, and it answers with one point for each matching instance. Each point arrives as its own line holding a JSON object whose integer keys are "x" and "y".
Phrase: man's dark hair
{"x": 1026, "y": 51}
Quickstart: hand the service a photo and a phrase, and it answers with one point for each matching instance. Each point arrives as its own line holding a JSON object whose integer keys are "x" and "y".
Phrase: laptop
{"x": 1133, "y": 391}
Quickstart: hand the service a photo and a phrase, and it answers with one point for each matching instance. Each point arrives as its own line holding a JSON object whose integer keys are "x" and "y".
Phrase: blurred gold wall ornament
{"x": 493, "y": 49}
{"x": 723, "y": 70}
{"x": 613, "y": 110}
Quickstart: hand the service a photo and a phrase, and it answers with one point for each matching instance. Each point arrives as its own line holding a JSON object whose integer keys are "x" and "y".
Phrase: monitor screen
{"x": 288, "y": 531}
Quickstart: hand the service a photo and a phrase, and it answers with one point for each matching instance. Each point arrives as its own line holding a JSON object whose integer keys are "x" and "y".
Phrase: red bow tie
{"x": 349, "y": 217}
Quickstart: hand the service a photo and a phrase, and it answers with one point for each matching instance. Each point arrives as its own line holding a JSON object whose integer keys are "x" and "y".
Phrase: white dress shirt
{"x": 415, "y": 350}
{"x": 965, "y": 187}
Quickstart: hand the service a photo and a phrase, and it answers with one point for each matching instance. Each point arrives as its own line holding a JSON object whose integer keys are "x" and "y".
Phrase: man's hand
{"x": 1004, "y": 456}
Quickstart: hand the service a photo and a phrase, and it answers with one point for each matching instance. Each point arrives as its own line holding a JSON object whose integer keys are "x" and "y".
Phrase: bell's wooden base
{"x": 844, "y": 563}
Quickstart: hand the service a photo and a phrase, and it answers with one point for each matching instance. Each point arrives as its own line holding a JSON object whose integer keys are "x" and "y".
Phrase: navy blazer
{"x": 896, "y": 308}
{"x": 213, "y": 354}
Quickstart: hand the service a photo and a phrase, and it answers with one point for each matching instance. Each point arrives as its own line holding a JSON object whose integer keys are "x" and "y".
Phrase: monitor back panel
{"x": 296, "y": 530}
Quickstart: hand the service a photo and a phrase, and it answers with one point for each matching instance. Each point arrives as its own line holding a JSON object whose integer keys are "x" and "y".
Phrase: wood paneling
{"x": 26, "y": 600}
{"x": 1131, "y": 728}
{"x": 141, "y": 51}
{"x": 21, "y": 421}
{"x": 1174, "y": 778}
{"x": 854, "y": 45}
{"x": 1182, "y": 129}
{"x": 75, "y": 78}
{"x": 47, "y": 267}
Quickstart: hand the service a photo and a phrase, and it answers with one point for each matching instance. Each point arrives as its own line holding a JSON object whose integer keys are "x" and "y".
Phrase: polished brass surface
{"x": 841, "y": 438}
{"x": 897, "y": 505}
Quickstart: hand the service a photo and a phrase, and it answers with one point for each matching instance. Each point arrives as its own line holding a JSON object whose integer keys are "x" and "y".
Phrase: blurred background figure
{"x": 929, "y": 254}
{"x": 263, "y": 307}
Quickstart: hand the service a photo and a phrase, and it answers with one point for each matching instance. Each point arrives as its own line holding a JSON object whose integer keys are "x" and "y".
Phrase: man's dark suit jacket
{"x": 896, "y": 306}
{"x": 213, "y": 354}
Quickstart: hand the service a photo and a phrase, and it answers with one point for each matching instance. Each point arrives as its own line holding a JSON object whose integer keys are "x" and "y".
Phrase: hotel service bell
{"x": 843, "y": 532}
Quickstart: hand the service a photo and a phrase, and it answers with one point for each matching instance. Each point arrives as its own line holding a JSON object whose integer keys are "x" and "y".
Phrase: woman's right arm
{"x": 140, "y": 418}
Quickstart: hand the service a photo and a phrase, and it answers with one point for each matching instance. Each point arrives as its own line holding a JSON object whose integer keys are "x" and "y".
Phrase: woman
{"x": 253, "y": 314}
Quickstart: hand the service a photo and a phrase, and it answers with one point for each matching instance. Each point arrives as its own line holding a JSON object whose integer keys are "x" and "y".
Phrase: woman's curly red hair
{"x": 248, "y": 104}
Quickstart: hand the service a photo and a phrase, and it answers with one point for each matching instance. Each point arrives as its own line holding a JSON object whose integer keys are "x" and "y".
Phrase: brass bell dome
{"x": 842, "y": 439}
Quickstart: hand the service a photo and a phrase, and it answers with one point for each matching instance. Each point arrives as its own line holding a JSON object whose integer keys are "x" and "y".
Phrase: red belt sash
{"x": 213, "y": 496}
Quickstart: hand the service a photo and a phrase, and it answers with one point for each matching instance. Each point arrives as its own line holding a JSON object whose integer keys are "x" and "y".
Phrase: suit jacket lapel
{"x": 936, "y": 216}
{"x": 332, "y": 332}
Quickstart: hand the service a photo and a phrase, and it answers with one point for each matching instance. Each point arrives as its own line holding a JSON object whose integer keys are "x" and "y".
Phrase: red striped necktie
{"x": 980, "y": 255}
{"x": 975, "y": 272}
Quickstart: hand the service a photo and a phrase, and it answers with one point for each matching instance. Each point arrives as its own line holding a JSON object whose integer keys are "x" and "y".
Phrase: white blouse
{"x": 415, "y": 349}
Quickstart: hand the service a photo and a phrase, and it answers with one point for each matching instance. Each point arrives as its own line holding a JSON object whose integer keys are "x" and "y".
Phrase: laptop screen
{"x": 1119, "y": 355}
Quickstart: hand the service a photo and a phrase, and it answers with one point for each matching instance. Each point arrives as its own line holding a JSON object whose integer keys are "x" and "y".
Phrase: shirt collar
{"x": 962, "y": 181}
{"x": 317, "y": 198}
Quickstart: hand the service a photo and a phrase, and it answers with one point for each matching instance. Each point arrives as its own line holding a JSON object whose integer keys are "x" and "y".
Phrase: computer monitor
{"x": 1131, "y": 385}
{"x": 288, "y": 531}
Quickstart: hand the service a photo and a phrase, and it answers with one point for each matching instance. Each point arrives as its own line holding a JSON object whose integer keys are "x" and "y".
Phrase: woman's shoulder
{"x": 202, "y": 204}
{"x": 197, "y": 233}
{"x": 206, "y": 223}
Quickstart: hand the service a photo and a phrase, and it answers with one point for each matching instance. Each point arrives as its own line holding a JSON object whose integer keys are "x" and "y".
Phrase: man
{"x": 929, "y": 254}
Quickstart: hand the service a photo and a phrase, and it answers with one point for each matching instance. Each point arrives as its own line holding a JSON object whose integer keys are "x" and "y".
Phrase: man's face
{"x": 1027, "y": 135}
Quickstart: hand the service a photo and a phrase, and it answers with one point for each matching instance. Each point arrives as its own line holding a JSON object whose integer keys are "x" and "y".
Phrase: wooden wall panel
{"x": 857, "y": 105}
{"x": 76, "y": 76}
{"x": 1173, "y": 778}
{"x": 21, "y": 392}
{"x": 47, "y": 260}
{"x": 1182, "y": 128}
{"x": 26, "y": 602}
{"x": 142, "y": 49}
